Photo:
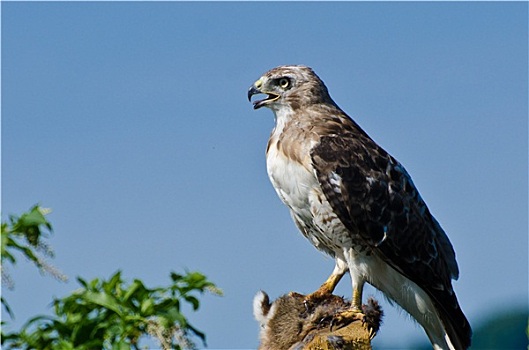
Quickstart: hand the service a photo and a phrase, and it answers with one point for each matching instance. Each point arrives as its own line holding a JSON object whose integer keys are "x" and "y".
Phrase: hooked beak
{"x": 253, "y": 90}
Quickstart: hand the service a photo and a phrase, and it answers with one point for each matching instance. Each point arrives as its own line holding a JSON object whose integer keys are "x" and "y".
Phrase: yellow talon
{"x": 343, "y": 318}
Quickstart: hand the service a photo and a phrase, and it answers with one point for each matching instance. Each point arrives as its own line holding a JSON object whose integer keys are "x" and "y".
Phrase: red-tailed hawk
{"x": 355, "y": 202}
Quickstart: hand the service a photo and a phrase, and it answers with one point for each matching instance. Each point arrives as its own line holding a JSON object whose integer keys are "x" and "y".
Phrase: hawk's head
{"x": 289, "y": 86}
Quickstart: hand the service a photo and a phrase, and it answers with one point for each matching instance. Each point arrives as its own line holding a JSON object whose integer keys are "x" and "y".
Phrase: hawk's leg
{"x": 329, "y": 285}
{"x": 358, "y": 289}
{"x": 354, "y": 313}
{"x": 369, "y": 314}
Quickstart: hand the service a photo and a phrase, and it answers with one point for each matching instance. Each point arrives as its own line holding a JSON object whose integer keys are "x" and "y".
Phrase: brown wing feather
{"x": 377, "y": 199}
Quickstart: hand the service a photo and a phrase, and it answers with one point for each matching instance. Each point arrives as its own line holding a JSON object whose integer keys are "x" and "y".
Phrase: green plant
{"x": 102, "y": 314}
{"x": 25, "y": 235}
{"x": 115, "y": 315}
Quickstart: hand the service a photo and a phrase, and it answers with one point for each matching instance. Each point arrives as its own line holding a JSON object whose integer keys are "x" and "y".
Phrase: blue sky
{"x": 130, "y": 120}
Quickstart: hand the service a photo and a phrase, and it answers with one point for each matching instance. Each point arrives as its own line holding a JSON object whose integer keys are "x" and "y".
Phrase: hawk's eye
{"x": 284, "y": 83}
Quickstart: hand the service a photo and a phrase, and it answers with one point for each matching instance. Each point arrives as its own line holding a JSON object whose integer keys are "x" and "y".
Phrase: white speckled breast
{"x": 299, "y": 189}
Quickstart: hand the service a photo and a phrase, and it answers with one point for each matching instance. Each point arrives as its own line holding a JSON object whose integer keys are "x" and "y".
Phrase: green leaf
{"x": 175, "y": 276}
{"x": 65, "y": 345}
{"x": 6, "y": 306}
{"x": 122, "y": 345}
{"x": 193, "y": 301}
{"x": 198, "y": 333}
{"x": 82, "y": 282}
{"x": 134, "y": 287}
{"x": 104, "y": 300}
{"x": 34, "y": 218}
{"x": 114, "y": 282}
{"x": 147, "y": 307}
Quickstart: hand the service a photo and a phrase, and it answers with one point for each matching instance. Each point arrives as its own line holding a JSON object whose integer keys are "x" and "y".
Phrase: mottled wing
{"x": 376, "y": 200}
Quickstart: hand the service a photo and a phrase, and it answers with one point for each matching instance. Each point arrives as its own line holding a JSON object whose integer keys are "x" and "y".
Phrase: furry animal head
{"x": 289, "y": 323}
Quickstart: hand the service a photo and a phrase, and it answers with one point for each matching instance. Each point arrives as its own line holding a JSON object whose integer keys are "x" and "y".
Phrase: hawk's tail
{"x": 436, "y": 310}
{"x": 458, "y": 331}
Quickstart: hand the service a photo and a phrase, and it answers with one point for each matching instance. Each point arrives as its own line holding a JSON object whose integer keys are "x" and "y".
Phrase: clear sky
{"x": 130, "y": 121}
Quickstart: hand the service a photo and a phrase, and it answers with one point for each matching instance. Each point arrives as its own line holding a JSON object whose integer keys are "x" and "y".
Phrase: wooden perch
{"x": 289, "y": 323}
{"x": 351, "y": 337}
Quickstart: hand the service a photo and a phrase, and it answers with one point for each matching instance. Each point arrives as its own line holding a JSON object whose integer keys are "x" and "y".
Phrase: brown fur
{"x": 290, "y": 323}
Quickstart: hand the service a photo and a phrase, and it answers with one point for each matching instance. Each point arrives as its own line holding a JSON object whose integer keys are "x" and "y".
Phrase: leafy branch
{"x": 102, "y": 314}
{"x": 111, "y": 314}
{"x": 25, "y": 235}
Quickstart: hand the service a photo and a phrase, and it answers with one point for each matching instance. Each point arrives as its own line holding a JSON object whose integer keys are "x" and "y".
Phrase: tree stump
{"x": 351, "y": 337}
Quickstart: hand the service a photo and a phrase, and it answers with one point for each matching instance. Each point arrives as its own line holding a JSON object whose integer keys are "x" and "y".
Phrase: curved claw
{"x": 372, "y": 333}
{"x": 344, "y": 318}
{"x": 313, "y": 299}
